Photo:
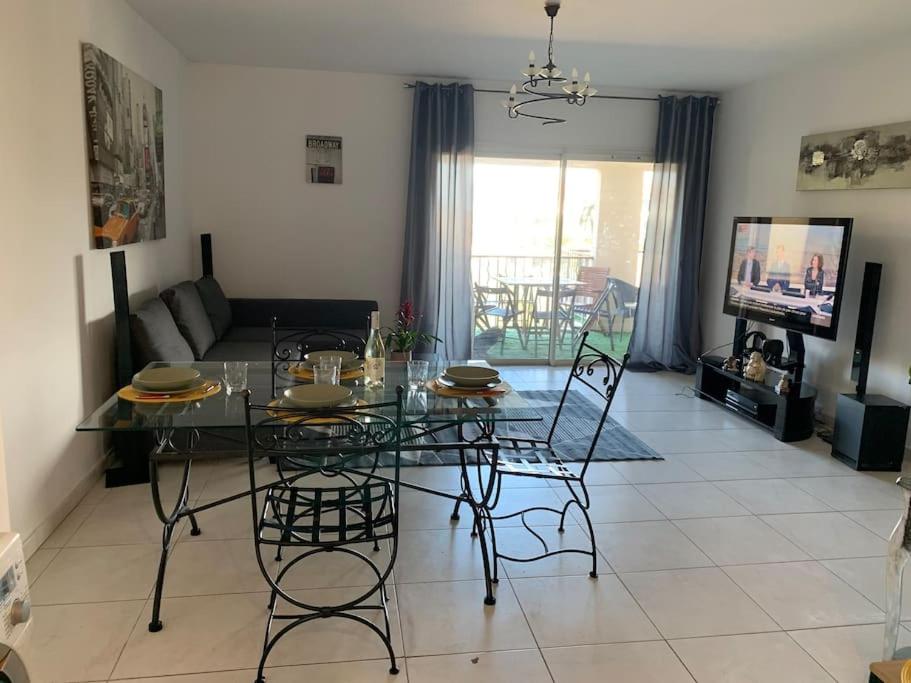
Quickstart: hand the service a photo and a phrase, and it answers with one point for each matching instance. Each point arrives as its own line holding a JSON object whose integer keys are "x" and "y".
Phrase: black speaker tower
{"x": 870, "y": 429}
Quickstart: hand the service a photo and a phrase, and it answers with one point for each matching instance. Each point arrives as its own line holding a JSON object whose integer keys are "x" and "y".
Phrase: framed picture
{"x": 876, "y": 157}
{"x": 324, "y": 159}
{"x": 125, "y": 128}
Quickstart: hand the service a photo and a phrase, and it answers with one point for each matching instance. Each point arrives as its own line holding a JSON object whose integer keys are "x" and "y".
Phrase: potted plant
{"x": 403, "y": 336}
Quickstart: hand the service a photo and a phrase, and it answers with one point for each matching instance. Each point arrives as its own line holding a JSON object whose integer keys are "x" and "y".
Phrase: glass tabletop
{"x": 268, "y": 380}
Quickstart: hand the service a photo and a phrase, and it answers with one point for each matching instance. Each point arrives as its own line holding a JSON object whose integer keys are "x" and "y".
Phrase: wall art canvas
{"x": 324, "y": 159}
{"x": 126, "y": 152}
{"x": 876, "y": 157}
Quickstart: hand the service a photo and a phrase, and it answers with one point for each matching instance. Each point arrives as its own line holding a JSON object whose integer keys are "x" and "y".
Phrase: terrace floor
{"x": 737, "y": 558}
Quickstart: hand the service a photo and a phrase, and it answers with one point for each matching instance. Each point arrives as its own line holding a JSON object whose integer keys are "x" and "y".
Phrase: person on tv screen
{"x": 815, "y": 277}
{"x": 779, "y": 271}
{"x": 749, "y": 268}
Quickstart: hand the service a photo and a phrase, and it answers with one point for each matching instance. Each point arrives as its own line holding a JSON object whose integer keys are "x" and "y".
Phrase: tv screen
{"x": 788, "y": 272}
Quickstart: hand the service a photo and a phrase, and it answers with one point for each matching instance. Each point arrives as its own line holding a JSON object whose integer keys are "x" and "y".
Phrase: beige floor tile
{"x": 233, "y": 476}
{"x": 217, "y": 567}
{"x": 230, "y": 521}
{"x": 518, "y": 542}
{"x": 578, "y": 610}
{"x": 225, "y": 632}
{"x": 442, "y": 477}
{"x": 71, "y": 523}
{"x": 804, "y": 595}
{"x": 828, "y": 535}
{"x": 631, "y": 403}
{"x": 652, "y": 662}
{"x": 669, "y": 470}
{"x": 514, "y": 500}
{"x": 685, "y": 603}
{"x": 880, "y": 522}
{"x": 598, "y": 474}
{"x": 38, "y": 562}
{"x": 644, "y": 546}
{"x": 868, "y": 576}
{"x": 740, "y": 540}
{"x": 450, "y": 618}
{"x": 695, "y": 441}
{"x": 846, "y": 651}
{"x": 121, "y": 524}
{"x": 753, "y": 658}
{"x": 616, "y": 504}
{"x": 675, "y": 420}
{"x": 125, "y": 572}
{"x": 78, "y": 642}
{"x": 700, "y": 499}
{"x": 483, "y": 667}
{"x": 859, "y": 492}
{"x": 367, "y": 671}
{"x": 771, "y": 496}
{"x": 438, "y": 555}
{"x": 423, "y": 511}
{"x": 724, "y": 466}
{"x": 801, "y": 463}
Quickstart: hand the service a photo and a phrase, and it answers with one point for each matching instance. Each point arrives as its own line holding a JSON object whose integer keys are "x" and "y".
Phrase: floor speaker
{"x": 870, "y": 429}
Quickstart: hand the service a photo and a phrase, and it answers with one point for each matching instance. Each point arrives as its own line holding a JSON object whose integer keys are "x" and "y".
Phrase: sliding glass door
{"x": 557, "y": 250}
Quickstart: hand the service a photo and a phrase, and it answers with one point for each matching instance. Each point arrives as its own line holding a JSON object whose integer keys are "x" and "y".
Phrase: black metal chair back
{"x": 320, "y": 517}
{"x": 293, "y": 343}
{"x": 598, "y": 372}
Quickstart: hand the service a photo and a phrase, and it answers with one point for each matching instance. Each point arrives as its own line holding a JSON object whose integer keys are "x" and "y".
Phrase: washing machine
{"x": 15, "y": 609}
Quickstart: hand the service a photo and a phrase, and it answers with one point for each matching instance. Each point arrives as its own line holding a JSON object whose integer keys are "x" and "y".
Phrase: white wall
{"x": 56, "y": 309}
{"x": 277, "y": 235}
{"x": 754, "y": 172}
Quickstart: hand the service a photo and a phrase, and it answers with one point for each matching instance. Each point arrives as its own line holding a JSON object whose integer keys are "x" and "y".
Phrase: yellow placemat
{"x": 210, "y": 388}
{"x": 437, "y": 388}
{"x": 290, "y": 418}
{"x": 304, "y": 372}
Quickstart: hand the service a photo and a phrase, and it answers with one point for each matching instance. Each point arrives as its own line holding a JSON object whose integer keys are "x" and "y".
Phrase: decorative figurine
{"x": 731, "y": 364}
{"x": 756, "y": 368}
{"x": 784, "y": 386}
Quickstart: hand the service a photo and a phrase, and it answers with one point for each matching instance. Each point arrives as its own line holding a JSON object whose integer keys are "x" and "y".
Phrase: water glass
{"x": 331, "y": 362}
{"x": 325, "y": 374}
{"x": 417, "y": 374}
{"x": 235, "y": 375}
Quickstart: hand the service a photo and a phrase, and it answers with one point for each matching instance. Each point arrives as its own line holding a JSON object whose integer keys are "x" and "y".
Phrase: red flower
{"x": 406, "y": 314}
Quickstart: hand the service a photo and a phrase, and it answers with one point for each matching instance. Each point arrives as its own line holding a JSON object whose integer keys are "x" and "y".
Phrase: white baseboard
{"x": 46, "y": 528}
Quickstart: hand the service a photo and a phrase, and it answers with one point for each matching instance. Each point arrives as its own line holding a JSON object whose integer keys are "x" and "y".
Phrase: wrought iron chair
{"x": 492, "y": 303}
{"x": 293, "y": 343}
{"x": 527, "y": 456}
{"x": 314, "y": 520}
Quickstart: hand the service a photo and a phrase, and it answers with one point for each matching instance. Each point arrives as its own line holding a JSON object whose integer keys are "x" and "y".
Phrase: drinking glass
{"x": 325, "y": 374}
{"x": 331, "y": 362}
{"x": 235, "y": 375}
{"x": 417, "y": 373}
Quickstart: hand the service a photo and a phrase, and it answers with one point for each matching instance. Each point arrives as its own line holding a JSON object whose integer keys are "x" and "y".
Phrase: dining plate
{"x": 317, "y": 395}
{"x": 195, "y": 384}
{"x": 471, "y": 375}
{"x": 446, "y": 382}
{"x": 350, "y": 360}
{"x": 165, "y": 379}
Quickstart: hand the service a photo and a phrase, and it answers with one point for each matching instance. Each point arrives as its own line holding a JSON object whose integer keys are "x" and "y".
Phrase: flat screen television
{"x": 788, "y": 272}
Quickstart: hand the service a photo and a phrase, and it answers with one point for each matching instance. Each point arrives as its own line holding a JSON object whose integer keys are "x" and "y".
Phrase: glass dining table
{"x": 462, "y": 426}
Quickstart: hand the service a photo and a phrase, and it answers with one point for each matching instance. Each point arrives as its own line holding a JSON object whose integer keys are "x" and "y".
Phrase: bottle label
{"x": 375, "y": 369}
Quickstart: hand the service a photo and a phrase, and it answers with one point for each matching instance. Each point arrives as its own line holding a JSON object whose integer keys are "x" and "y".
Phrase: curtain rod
{"x": 597, "y": 97}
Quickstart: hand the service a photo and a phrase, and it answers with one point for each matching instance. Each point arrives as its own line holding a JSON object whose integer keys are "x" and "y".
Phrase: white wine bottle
{"x": 374, "y": 355}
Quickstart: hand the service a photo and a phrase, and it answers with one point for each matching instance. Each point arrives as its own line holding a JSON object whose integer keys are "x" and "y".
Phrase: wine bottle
{"x": 374, "y": 355}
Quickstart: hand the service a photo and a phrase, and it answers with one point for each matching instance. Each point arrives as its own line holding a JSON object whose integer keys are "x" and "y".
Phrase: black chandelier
{"x": 540, "y": 82}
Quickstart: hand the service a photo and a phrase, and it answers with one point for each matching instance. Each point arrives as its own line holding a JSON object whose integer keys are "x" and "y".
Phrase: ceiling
{"x": 700, "y": 45}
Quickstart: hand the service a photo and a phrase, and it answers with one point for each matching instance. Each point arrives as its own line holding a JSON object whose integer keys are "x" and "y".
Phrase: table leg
{"x": 169, "y": 520}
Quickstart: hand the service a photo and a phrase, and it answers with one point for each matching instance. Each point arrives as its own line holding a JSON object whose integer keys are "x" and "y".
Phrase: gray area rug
{"x": 572, "y": 438}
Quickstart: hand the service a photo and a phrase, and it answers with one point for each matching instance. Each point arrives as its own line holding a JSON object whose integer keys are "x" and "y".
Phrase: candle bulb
{"x": 575, "y": 75}
{"x": 588, "y": 77}
{"x": 512, "y": 93}
{"x": 531, "y": 58}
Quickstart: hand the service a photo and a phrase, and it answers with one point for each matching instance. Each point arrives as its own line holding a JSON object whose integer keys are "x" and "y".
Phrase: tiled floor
{"x": 737, "y": 558}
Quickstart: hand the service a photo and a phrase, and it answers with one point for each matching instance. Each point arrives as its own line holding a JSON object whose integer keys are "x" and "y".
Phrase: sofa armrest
{"x": 348, "y": 314}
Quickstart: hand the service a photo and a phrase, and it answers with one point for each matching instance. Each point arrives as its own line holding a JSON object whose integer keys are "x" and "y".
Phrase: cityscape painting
{"x": 126, "y": 152}
{"x": 876, "y": 157}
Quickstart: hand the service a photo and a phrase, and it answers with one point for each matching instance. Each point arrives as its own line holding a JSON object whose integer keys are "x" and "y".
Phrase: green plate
{"x": 317, "y": 395}
{"x": 165, "y": 379}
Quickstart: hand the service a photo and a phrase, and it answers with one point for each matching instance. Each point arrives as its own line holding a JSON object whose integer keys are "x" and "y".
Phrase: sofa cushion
{"x": 155, "y": 335}
{"x": 216, "y": 304}
{"x": 248, "y": 334}
{"x": 190, "y": 315}
{"x": 239, "y": 350}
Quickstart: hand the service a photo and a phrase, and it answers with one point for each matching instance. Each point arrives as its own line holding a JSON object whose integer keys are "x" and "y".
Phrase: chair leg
{"x": 591, "y": 535}
{"x": 455, "y": 510}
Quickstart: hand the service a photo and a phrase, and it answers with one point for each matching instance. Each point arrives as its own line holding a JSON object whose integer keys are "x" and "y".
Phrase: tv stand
{"x": 789, "y": 417}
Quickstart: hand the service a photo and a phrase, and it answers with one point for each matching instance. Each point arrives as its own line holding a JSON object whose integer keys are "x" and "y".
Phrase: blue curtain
{"x": 436, "y": 268}
{"x": 667, "y": 335}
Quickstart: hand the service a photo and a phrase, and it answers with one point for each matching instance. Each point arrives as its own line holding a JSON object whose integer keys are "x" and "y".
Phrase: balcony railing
{"x": 486, "y": 270}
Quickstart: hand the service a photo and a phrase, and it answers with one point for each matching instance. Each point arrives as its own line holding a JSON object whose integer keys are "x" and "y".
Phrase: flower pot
{"x": 401, "y": 356}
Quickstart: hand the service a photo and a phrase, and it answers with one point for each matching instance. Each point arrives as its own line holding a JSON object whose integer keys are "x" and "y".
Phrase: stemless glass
{"x": 325, "y": 374}
{"x": 331, "y": 362}
{"x": 417, "y": 373}
{"x": 235, "y": 375}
